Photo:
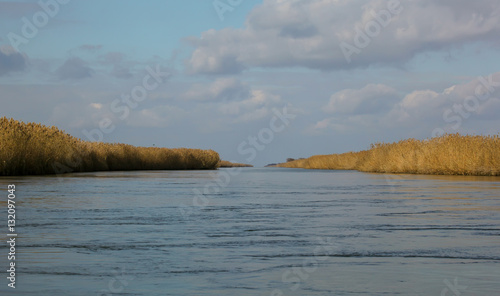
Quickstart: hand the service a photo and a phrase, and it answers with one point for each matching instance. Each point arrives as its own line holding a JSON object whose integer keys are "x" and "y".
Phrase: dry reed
{"x": 451, "y": 154}
{"x": 35, "y": 149}
{"x": 228, "y": 164}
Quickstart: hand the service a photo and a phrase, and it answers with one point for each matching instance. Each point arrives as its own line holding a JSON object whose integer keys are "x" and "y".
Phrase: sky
{"x": 256, "y": 81}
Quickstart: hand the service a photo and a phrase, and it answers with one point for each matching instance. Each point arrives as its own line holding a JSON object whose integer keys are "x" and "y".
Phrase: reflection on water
{"x": 269, "y": 232}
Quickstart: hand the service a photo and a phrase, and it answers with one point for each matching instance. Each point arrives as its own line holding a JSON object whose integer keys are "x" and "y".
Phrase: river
{"x": 258, "y": 231}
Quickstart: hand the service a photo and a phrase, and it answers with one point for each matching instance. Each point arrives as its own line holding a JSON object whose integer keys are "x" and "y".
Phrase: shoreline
{"x": 36, "y": 149}
{"x": 451, "y": 154}
{"x": 228, "y": 164}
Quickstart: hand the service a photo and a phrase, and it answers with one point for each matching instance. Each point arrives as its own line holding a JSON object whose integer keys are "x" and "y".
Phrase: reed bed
{"x": 228, "y": 164}
{"x": 451, "y": 154}
{"x": 35, "y": 149}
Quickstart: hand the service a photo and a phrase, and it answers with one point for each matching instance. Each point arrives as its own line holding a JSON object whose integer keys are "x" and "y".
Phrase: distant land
{"x": 228, "y": 164}
{"x": 35, "y": 149}
{"x": 276, "y": 164}
{"x": 451, "y": 154}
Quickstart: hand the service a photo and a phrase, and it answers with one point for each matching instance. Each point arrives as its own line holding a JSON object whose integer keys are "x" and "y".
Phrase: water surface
{"x": 265, "y": 231}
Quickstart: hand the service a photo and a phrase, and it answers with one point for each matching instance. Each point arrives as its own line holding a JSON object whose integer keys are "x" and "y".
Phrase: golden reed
{"x": 228, "y": 164}
{"x": 35, "y": 149}
{"x": 451, "y": 154}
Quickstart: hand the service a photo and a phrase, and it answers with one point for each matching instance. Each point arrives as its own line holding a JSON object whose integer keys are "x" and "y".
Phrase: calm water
{"x": 268, "y": 232}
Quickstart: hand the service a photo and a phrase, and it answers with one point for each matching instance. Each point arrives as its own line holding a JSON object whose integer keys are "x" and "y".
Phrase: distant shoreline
{"x": 451, "y": 154}
{"x": 228, "y": 164}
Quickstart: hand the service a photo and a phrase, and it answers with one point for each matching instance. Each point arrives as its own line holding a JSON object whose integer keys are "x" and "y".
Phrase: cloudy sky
{"x": 227, "y": 75}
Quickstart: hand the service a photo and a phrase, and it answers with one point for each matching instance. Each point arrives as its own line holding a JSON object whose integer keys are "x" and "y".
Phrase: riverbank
{"x": 35, "y": 149}
{"x": 228, "y": 164}
{"x": 446, "y": 155}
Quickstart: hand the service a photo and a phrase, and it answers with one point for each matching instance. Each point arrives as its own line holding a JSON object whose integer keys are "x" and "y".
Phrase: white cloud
{"x": 223, "y": 89}
{"x": 420, "y": 104}
{"x": 96, "y": 106}
{"x": 257, "y": 106}
{"x": 308, "y": 33}
{"x": 159, "y": 116}
{"x": 231, "y": 100}
{"x": 455, "y": 109}
{"x": 463, "y": 100}
{"x": 327, "y": 124}
{"x": 373, "y": 98}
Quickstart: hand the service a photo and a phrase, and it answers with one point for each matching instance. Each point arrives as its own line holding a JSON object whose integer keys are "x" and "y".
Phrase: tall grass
{"x": 35, "y": 149}
{"x": 228, "y": 164}
{"x": 451, "y": 154}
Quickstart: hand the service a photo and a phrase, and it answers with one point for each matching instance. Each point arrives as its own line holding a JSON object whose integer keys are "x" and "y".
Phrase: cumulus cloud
{"x": 257, "y": 106}
{"x": 11, "y": 60}
{"x": 208, "y": 116}
{"x": 159, "y": 116}
{"x": 233, "y": 99}
{"x": 373, "y": 98}
{"x": 120, "y": 67}
{"x": 309, "y": 33}
{"x": 420, "y": 104}
{"x": 223, "y": 89}
{"x": 450, "y": 110}
{"x": 74, "y": 68}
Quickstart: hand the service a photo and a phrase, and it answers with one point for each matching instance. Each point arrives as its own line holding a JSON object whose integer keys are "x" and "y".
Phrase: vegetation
{"x": 228, "y": 164}
{"x": 35, "y": 149}
{"x": 451, "y": 154}
{"x": 271, "y": 165}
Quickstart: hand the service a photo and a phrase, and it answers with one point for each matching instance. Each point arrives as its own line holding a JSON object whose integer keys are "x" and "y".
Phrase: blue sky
{"x": 412, "y": 71}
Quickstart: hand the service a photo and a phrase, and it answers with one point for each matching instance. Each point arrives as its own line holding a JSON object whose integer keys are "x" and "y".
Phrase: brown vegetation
{"x": 228, "y": 164}
{"x": 452, "y": 154}
{"x": 34, "y": 149}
